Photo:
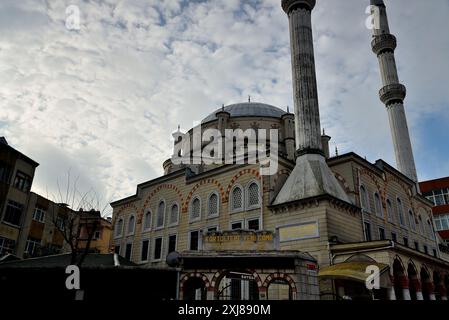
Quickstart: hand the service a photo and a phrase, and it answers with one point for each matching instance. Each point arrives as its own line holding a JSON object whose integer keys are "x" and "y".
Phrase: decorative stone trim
{"x": 185, "y": 207}
{"x": 383, "y": 42}
{"x": 392, "y": 93}
{"x": 253, "y": 172}
{"x": 282, "y": 276}
{"x": 153, "y": 193}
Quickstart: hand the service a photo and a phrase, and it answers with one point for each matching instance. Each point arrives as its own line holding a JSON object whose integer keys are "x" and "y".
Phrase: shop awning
{"x": 354, "y": 271}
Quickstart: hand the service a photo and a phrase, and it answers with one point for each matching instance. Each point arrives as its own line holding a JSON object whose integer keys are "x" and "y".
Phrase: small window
{"x": 131, "y": 224}
{"x": 22, "y": 181}
{"x": 394, "y": 237}
{"x": 119, "y": 228}
{"x": 194, "y": 240}
{"x": 426, "y": 250}
{"x": 195, "y": 209}
{"x": 174, "y": 214}
{"x": 147, "y": 222}
{"x": 416, "y": 246}
{"x": 171, "y": 243}
{"x": 378, "y": 205}
{"x": 406, "y": 241}
{"x": 33, "y": 247}
{"x": 435, "y": 254}
{"x": 160, "y": 215}
{"x": 212, "y": 229}
{"x": 97, "y": 235}
{"x": 421, "y": 225}
{"x": 363, "y": 198}
{"x": 213, "y": 205}
{"x": 253, "y": 224}
{"x": 236, "y": 225}
{"x": 389, "y": 211}
{"x": 117, "y": 250}
{"x": 381, "y": 234}
{"x": 157, "y": 249}
{"x": 39, "y": 214}
{"x": 13, "y": 213}
{"x": 128, "y": 251}
{"x": 431, "y": 233}
{"x": 400, "y": 212}
{"x": 253, "y": 195}
{"x": 237, "y": 199}
{"x": 368, "y": 231}
{"x": 144, "y": 250}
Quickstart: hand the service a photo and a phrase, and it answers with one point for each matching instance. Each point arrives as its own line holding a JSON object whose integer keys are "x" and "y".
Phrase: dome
{"x": 248, "y": 109}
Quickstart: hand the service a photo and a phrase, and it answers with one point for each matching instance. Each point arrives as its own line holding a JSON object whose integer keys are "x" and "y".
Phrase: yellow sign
{"x": 239, "y": 240}
{"x": 299, "y": 232}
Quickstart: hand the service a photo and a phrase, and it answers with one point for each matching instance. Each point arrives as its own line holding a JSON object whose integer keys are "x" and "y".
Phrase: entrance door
{"x": 238, "y": 286}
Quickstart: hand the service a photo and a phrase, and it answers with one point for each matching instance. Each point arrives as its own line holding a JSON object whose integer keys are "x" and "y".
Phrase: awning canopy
{"x": 355, "y": 271}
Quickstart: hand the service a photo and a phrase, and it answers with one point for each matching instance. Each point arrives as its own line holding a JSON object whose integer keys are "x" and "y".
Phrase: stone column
{"x": 391, "y": 291}
{"x": 417, "y": 286}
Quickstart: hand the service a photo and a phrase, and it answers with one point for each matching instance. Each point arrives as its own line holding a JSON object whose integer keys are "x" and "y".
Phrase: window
{"x": 172, "y": 243}
{"x": 435, "y": 254}
{"x": 411, "y": 218}
{"x": 236, "y": 225}
{"x": 237, "y": 199}
{"x": 32, "y": 246}
{"x": 6, "y": 246}
{"x": 421, "y": 225}
{"x": 212, "y": 229}
{"x": 128, "y": 251}
{"x": 389, "y": 210}
{"x": 438, "y": 197}
{"x": 195, "y": 209}
{"x": 119, "y": 228}
{"x": 39, "y": 214}
{"x": 378, "y": 205}
{"x": 147, "y": 222}
{"x": 174, "y": 214}
{"x": 405, "y": 241}
{"x": 160, "y": 215}
{"x": 60, "y": 223}
{"x": 368, "y": 231}
{"x": 416, "y": 246}
{"x": 13, "y": 213}
{"x": 253, "y": 195}
{"x": 442, "y": 222}
{"x": 212, "y": 205}
{"x": 194, "y": 240}
{"x": 131, "y": 224}
{"x": 400, "y": 212}
{"x": 144, "y": 250}
{"x": 5, "y": 172}
{"x": 381, "y": 234}
{"x": 253, "y": 224}
{"x": 157, "y": 249}
{"x": 22, "y": 181}
{"x": 363, "y": 198}
{"x": 97, "y": 235}
{"x": 394, "y": 237}
{"x": 426, "y": 250}
{"x": 431, "y": 234}
{"x": 117, "y": 249}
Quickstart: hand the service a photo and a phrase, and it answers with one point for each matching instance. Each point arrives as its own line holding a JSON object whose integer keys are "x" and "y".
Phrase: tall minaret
{"x": 311, "y": 176}
{"x": 393, "y": 92}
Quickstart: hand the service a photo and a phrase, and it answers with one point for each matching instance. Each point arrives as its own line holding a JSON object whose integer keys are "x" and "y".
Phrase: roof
{"x": 239, "y": 254}
{"x": 248, "y": 109}
{"x": 92, "y": 260}
{"x": 5, "y": 146}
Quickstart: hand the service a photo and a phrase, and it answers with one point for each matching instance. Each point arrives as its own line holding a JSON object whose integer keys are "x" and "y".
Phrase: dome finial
{"x": 249, "y": 99}
{"x": 222, "y": 107}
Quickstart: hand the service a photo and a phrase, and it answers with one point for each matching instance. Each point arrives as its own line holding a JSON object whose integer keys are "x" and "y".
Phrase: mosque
{"x": 321, "y": 227}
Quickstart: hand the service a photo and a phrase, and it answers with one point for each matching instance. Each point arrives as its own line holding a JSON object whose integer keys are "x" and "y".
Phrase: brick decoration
{"x": 185, "y": 206}
{"x": 154, "y": 192}
{"x": 281, "y": 276}
{"x": 190, "y": 275}
{"x": 253, "y": 172}
{"x": 121, "y": 209}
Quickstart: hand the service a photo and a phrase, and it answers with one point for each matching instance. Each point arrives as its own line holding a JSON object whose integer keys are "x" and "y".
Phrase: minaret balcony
{"x": 290, "y": 5}
{"x": 392, "y": 93}
{"x": 383, "y": 42}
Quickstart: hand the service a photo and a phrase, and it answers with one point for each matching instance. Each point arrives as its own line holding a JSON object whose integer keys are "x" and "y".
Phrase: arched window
{"x": 160, "y": 214}
{"x": 195, "y": 209}
{"x": 237, "y": 199}
{"x": 431, "y": 233}
{"x": 421, "y": 225}
{"x": 378, "y": 205}
{"x": 147, "y": 221}
{"x": 411, "y": 218}
{"x": 174, "y": 214}
{"x": 253, "y": 195}
{"x": 400, "y": 212}
{"x": 212, "y": 204}
{"x": 131, "y": 224}
{"x": 119, "y": 228}
{"x": 363, "y": 198}
{"x": 389, "y": 210}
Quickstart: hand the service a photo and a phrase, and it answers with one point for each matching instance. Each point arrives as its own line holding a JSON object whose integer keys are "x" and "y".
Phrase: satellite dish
{"x": 173, "y": 259}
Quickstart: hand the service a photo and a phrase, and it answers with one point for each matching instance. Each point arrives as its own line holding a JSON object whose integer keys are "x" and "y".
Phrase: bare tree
{"x": 76, "y": 218}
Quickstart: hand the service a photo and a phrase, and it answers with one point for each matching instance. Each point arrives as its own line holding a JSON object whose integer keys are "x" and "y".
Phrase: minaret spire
{"x": 393, "y": 92}
{"x": 311, "y": 176}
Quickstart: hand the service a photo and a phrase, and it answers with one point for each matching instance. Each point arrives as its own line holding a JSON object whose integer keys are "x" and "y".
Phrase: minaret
{"x": 311, "y": 176}
{"x": 393, "y": 92}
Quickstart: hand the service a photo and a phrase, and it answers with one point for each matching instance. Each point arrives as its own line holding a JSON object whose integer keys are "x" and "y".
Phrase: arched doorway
{"x": 426, "y": 284}
{"x": 399, "y": 277}
{"x": 194, "y": 289}
{"x": 414, "y": 284}
{"x": 237, "y": 285}
{"x": 279, "y": 289}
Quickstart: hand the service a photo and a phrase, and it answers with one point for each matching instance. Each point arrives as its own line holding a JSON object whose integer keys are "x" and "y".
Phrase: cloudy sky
{"x": 103, "y": 100}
